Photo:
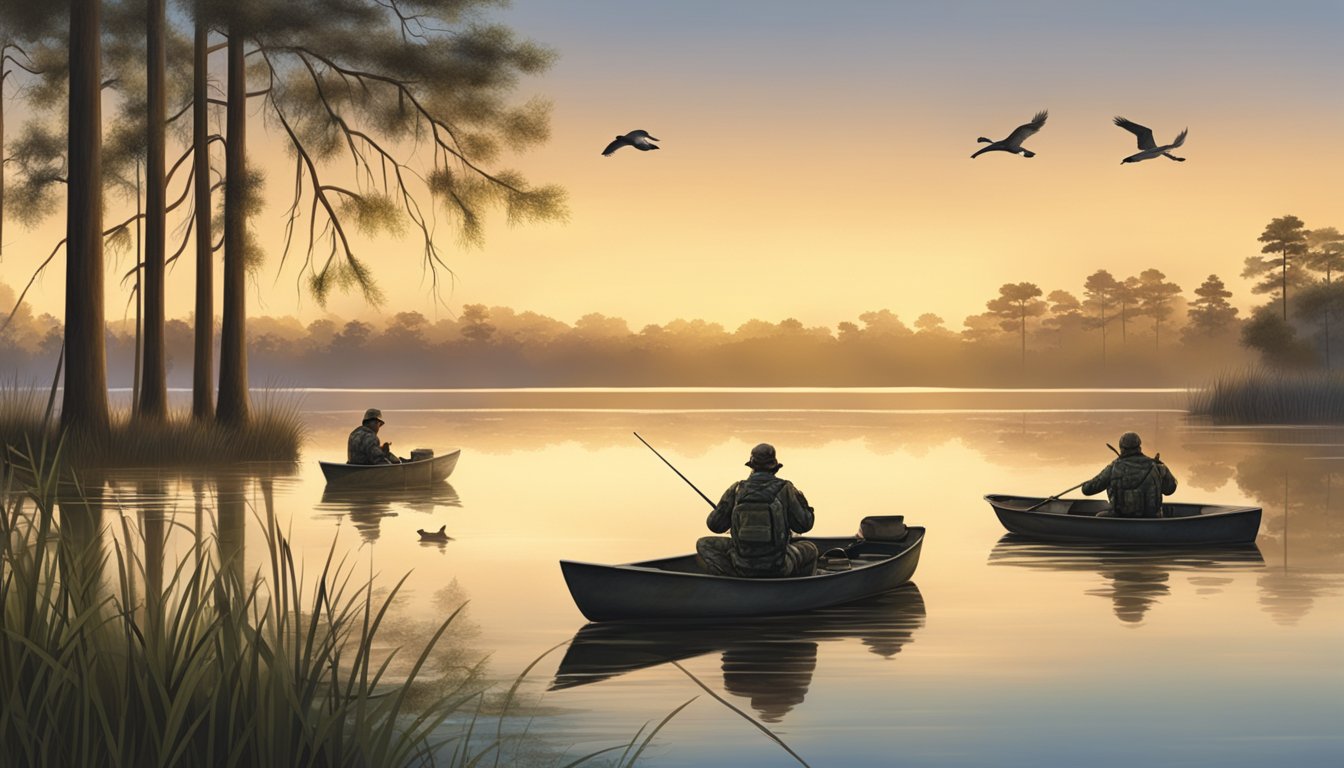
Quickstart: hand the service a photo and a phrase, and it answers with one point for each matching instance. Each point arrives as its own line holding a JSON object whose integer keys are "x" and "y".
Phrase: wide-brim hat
{"x": 373, "y": 414}
{"x": 763, "y": 457}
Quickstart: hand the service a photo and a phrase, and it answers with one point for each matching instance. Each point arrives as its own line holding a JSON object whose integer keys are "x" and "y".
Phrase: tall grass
{"x": 275, "y": 433}
{"x": 206, "y": 669}
{"x": 1263, "y": 396}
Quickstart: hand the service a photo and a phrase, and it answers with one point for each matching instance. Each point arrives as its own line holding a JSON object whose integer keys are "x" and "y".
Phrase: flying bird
{"x": 1146, "y": 143}
{"x": 1014, "y": 141}
{"x": 640, "y": 140}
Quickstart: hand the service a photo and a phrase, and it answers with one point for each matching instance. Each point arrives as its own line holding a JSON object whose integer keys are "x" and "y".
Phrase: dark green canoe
{"x": 408, "y": 474}
{"x": 1076, "y": 520}
{"x": 674, "y": 588}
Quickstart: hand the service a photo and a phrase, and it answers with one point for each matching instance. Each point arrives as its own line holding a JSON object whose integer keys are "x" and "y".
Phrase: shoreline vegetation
{"x": 112, "y": 653}
{"x": 275, "y": 433}
{"x": 114, "y": 658}
{"x": 1266, "y": 396}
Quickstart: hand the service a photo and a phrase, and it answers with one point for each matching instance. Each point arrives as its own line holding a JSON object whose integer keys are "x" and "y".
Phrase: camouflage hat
{"x": 1130, "y": 441}
{"x": 375, "y": 415}
{"x": 763, "y": 457}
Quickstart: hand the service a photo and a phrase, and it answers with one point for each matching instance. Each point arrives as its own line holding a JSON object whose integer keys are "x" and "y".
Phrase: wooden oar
{"x": 1044, "y": 501}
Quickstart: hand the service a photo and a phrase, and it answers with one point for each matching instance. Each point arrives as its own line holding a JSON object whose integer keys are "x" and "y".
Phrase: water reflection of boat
{"x": 677, "y": 588}
{"x": 1137, "y": 576}
{"x": 767, "y": 660}
{"x": 408, "y": 474}
{"x": 367, "y": 508}
{"x": 1076, "y": 520}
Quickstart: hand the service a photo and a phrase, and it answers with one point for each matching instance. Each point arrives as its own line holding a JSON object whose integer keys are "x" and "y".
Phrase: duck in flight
{"x": 1147, "y": 145}
{"x": 1014, "y": 141}
{"x": 640, "y": 140}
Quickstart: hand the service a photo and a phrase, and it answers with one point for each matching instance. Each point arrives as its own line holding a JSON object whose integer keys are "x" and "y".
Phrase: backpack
{"x": 1134, "y": 500}
{"x": 760, "y": 526}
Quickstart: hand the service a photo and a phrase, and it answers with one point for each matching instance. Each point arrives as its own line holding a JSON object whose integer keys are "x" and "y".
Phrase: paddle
{"x": 1049, "y": 499}
{"x": 1046, "y": 500}
{"x": 674, "y": 469}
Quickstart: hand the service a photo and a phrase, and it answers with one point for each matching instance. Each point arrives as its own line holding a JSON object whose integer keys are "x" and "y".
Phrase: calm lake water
{"x": 1002, "y": 653}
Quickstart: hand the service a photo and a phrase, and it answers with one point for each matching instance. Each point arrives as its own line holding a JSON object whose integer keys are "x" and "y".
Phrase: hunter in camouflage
{"x": 1134, "y": 483}
{"x": 759, "y": 513}
{"x": 363, "y": 446}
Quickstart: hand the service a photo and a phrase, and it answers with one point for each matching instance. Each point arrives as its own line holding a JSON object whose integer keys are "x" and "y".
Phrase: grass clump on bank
{"x": 1262, "y": 396}
{"x": 100, "y": 666}
{"x": 111, "y": 658}
{"x": 275, "y": 433}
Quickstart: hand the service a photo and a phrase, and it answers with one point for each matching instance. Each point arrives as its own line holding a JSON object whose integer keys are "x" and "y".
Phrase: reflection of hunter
{"x": 1134, "y": 483}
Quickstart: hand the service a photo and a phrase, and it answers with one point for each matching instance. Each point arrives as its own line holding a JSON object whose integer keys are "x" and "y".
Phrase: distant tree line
{"x": 1135, "y": 331}
{"x": 1300, "y": 274}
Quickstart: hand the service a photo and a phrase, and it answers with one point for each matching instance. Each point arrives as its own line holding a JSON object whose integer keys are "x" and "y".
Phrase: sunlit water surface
{"x": 1003, "y": 653}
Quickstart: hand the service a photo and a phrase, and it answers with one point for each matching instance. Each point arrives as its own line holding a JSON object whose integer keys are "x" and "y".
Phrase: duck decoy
{"x": 439, "y": 535}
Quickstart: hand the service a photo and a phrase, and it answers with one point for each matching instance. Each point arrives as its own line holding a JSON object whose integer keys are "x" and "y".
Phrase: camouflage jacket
{"x": 365, "y": 448}
{"x": 763, "y": 486}
{"x": 1135, "y": 484}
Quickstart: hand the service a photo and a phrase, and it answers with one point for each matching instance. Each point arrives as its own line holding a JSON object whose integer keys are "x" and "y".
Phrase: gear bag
{"x": 760, "y": 523}
{"x": 1137, "y": 500}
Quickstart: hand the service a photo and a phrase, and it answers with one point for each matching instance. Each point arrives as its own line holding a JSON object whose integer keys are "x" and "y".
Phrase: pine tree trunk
{"x": 139, "y": 290}
{"x": 1103, "y": 336}
{"x": 3, "y": 77}
{"x": 1285, "y": 285}
{"x": 153, "y": 404}
{"x": 233, "y": 399}
{"x": 84, "y": 402}
{"x": 203, "y": 359}
{"x": 1024, "y": 341}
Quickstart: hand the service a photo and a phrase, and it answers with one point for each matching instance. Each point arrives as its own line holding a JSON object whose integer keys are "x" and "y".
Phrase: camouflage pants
{"x": 716, "y": 555}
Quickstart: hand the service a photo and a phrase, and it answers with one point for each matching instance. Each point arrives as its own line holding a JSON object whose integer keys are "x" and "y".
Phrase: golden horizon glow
{"x": 823, "y": 188}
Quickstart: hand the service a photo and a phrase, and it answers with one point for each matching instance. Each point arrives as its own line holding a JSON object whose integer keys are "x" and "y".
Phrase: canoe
{"x": 408, "y": 474}
{"x": 674, "y": 588}
{"x": 775, "y": 650}
{"x": 1075, "y": 520}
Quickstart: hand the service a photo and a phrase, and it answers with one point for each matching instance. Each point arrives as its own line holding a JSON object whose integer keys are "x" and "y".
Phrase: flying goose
{"x": 1146, "y": 143}
{"x": 1014, "y": 141}
{"x": 640, "y": 140}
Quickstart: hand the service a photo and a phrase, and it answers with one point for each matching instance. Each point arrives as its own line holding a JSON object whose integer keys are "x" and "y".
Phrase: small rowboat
{"x": 408, "y": 474}
{"x": 1076, "y": 520}
{"x": 675, "y": 588}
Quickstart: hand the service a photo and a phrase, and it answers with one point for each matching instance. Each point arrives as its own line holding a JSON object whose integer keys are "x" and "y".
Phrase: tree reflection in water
{"x": 1135, "y": 577}
{"x": 769, "y": 661}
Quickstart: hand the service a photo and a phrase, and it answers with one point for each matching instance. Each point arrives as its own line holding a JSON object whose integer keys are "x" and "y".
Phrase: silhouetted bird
{"x": 1146, "y": 143}
{"x": 640, "y": 140}
{"x": 1014, "y": 141}
{"x": 439, "y": 535}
